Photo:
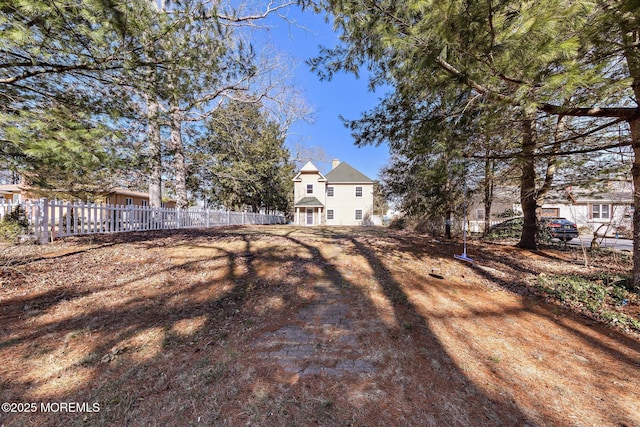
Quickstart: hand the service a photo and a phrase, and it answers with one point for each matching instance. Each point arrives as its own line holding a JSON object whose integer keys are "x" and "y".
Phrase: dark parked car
{"x": 558, "y": 228}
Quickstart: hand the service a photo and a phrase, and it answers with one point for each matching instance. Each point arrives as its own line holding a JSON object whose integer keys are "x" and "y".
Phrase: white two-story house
{"x": 344, "y": 196}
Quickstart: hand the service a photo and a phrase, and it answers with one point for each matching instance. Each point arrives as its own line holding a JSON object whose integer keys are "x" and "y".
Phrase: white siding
{"x": 581, "y": 214}
{"x": 319, "y": 187}
{"x": 345, "y": 203}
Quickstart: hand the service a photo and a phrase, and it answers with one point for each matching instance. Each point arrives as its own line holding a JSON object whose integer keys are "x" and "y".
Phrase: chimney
{"x": 334, "y": 163}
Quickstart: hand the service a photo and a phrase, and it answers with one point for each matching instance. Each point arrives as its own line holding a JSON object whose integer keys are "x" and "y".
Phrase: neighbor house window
{"x": 550, "y": 212}
{"x": 144, "y": 203}
{"x": 480, "y": 214}
{"x": 329, "y": 191}
{"x": 600, "y": 211}
{"x": 359, "y": 192}
{"x": 128, "y": 201}
{"x": 309, "y": 188}
{"x": 358, "y": 214}
{"x": 329, "y": 214}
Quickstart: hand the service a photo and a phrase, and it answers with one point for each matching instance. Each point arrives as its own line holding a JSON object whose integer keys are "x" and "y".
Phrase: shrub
{"x": 398, "y": 223}
{"x": 603, "y": 296}
{"x": 509, "y": 213}
{"x": 14, "y": 225}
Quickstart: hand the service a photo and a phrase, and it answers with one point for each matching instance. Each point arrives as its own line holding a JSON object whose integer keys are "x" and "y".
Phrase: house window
{"x": 358, "y": 191}
{"x": 128, "y": 201}
{"x": 144, "y": 203}
{"x": 549, "y": 212}
{"x": 600, "y": 211}
{"x": 358, "y": 214}
{"x": 329, "y": 191}
{"x": 480, "y": 214}
{"x": 329, "y": 214}
{"x": 309, "y": 188}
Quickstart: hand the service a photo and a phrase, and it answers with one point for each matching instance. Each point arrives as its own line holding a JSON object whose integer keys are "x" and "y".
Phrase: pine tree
{"x": 60, "y": 91}
{"x": 207, "y": 59}
{"x": 242, "y": 162}
{"x": 550, "y": 56}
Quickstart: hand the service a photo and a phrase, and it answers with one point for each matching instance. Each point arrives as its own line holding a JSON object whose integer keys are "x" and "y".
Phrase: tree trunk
{"x": 449, "y": 201}
{"x": 552, "y": 161}
{"x": 489, "y": 165}
{"x": 631, "y": 38}
{"x": 635, "y": 173}
{"x": 155, "y": 152}
{"x": 528, "y": 187}
{"x": 179, "y": 164}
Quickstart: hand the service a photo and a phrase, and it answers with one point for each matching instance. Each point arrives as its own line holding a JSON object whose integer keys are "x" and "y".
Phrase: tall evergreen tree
{"x": 207, "y": 59}
{"x": 242, "y": 162}
{"x": 60, "y": 91}
{"x": 557, "y": 57}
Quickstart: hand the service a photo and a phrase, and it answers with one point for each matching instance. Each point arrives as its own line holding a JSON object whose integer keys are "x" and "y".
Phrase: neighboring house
{"x": 11, "y": 192}
{"x": 344, "y": 196}
{"x": 607, "y": 212}
{"x": 506, "y": 199}
{"x": 116, "y": 196}
{"x": 122, "y": 196}
{"x": 505, "y": 203}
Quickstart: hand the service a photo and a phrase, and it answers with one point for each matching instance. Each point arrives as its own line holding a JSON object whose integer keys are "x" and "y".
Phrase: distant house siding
{"x": 343, "y": 197}
{"x": 300, "y": 187}
{"x": 114, "y": 197}
{"x": 618, "y": 214}
{"x": 345, "y": 203}
{"x": 121, "y": 199}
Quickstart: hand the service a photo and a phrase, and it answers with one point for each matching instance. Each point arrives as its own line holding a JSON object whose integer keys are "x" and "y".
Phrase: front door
{"x": 309, "y": 216}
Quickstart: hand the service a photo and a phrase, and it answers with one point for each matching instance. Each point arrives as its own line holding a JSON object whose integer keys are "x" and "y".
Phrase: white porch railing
{"x": 477, "y": 226}
{"x": 49, "y": 219}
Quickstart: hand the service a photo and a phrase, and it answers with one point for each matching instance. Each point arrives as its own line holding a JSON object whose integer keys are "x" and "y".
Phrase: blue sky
{"x": 343, "y": 95}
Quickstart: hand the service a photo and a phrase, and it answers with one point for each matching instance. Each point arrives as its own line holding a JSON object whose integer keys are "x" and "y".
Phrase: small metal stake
{"x": 464, "y": 256}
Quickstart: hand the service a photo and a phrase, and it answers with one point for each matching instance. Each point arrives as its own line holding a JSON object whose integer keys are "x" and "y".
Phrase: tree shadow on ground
{"x": 447, "y": 401}
{"x": 177, "y": 348}
{"x": 606, "y": 342}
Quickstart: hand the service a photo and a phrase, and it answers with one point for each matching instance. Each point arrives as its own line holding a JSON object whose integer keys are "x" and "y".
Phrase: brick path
{"x": 322, "y": 340}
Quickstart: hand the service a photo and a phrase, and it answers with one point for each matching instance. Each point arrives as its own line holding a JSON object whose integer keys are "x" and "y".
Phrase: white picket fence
{"x": 50, "y": 219}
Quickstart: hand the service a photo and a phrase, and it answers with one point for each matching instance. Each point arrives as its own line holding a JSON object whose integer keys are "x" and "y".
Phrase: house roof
{"x": 309, "y": 202}
{"x": 622, "y": 197}
{"x": 10, "y": 188}
{"x": 309, "y": 168}
{"x": 345, "y": 173}
{"x": 127, "y": 192}
{"x": 23, "y": 189}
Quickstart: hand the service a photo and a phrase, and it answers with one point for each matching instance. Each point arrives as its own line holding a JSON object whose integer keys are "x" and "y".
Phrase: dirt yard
{"x": 290, "y": 326}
